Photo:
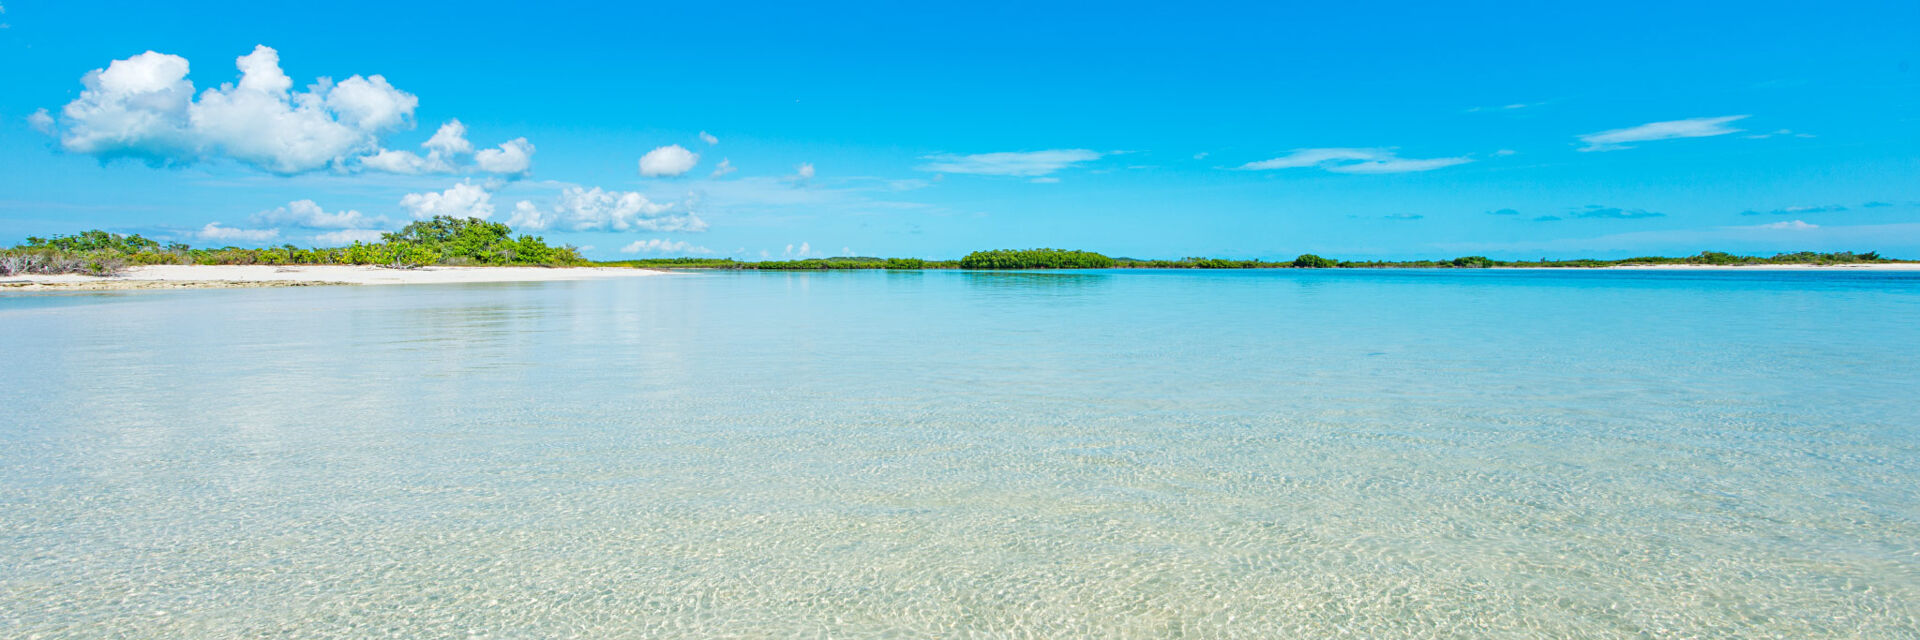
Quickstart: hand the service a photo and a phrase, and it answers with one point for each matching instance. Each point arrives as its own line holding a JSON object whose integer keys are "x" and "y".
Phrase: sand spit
{"x": 1872, "y": 266}
{"x": 232, "y": 276}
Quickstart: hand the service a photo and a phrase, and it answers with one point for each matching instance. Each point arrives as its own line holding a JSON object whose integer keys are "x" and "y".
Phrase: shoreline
{"x": 243, "y": 276}
{"x": 1869, "y": 266}
{"x": 159, "y": 277}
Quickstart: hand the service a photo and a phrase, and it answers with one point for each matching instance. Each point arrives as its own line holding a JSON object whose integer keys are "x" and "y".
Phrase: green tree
{"x": 1310, "y": 261}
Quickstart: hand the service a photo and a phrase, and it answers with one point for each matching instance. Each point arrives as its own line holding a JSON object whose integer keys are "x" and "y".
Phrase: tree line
{"x": 447, "y": 240}
{"x": 441, "y": 240}
{"x": 1065, "y": 259}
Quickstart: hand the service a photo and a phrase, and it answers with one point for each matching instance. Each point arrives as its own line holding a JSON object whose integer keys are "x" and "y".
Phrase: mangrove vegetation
{"x": 438, "y": 241}
{"x": 471, "y": 241}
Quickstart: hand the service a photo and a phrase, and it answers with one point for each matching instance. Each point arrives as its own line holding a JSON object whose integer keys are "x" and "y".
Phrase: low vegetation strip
{"x": 439, "y": 241}
{"x": 1061, "y": 259}
{"x": 474, "y": 242}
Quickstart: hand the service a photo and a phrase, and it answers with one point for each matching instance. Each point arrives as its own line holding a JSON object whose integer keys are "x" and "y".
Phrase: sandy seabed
{"x": 224, "y": 276}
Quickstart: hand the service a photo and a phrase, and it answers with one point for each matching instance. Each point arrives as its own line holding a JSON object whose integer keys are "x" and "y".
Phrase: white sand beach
{"x": 222, "y": 276}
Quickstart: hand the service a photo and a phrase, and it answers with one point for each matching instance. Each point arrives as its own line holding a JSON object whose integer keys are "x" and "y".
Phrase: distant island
{"x": 1065, "y": 259}
{"x": 471, "y": 242}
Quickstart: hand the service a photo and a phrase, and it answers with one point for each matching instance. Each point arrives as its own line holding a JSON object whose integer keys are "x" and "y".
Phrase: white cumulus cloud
{"x": 596, "y": 209}
{"x": 443, "y": 148}
{"x": 803, "y": 173}
{"x": 1010, "y": 163}
{"x": 527, "y": 215}
{"x": 463, "y": 200}
{"x": 306, "y": 213}
{"x": 41, "y": 121}
{"x": 720, "y": 170}
{"x": 667, "y": 161}
{"x": 513, "y": 157}
{"x": 450, "y": 139}
{"x": 1616, "y": 139}
{"x": 144, "y": 107}
{"x": 445, "y": 153}
{"x": 708, "y": 138}
{"x": 407, "y": 162}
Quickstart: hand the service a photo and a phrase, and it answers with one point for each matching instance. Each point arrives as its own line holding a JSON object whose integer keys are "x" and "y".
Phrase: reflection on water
{"x": 1028, "y": 283}
{"x": 1058, "y": 454}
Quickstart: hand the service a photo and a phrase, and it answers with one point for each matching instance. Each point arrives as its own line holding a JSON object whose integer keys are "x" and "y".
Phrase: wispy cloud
{"x": 1794, "y": 225}
{"x": 1773, "y": 236}
{"x": 1353, "y": 160}
{"x": 1777, "y": 132}
{"x": 1515, "y": 106}
{"x": 1617, "y": 139}
{"x": 1788, "y": 211}
{"x": 1503, "y": 212}
{"x": 346, "y": 236}
{"x": 1028, "y": 164}
{"x": 1616, "y": 213}
{"x": 213, "y": 231}
{"x": 662, "y": 245}
{"x": 1403, "y": 217}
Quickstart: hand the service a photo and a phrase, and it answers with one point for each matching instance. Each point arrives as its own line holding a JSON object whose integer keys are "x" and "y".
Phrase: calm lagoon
{"x": 1277, "y": 453}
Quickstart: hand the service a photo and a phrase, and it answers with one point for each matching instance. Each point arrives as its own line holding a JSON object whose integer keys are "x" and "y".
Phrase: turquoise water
{"x": 1409, "y": 454}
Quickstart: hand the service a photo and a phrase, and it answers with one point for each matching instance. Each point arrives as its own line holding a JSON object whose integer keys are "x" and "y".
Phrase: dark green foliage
{"x": 448, "y": 240}
{"x": 1035, "y": 259}
{"x": 1195, "y": 263}
{"x": 95, "y": 240}
{"x": 979, "y": 260}
{"x": 679, "y": 263}
{"x": 470, "y": 241}
{"x": 442, "y": 240}
{"x": 1474, "y": 262}
{"x": 1310, "y": 261}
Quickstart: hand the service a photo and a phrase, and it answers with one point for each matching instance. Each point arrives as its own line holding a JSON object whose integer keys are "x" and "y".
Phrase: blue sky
{"x": 1146, "y": 130}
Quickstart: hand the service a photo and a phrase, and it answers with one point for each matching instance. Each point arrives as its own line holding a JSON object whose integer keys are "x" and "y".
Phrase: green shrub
{"x": 1035, "y": 259}
{"x": 1310, "y": 261}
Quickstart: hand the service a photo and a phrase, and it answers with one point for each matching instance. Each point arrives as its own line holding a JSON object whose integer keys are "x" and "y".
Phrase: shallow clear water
{"x": 1107, "y": 454}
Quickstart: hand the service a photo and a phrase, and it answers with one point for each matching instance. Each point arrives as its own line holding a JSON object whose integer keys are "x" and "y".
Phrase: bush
{"x": 1035, "y": 259}
{"x": 1310, "y": 261}
{"x": 1474, "y": 262}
